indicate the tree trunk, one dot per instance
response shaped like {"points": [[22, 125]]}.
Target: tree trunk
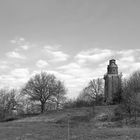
{"points": [[42, 107], [57, 105], [135, 116]]}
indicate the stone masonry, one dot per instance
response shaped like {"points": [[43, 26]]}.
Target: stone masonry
{"points": [[112, 82]]}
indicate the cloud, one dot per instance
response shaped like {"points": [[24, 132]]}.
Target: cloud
{"points": [[54, 54], [15, 54], [52, 48], [66, 78], [3, 65], [17, 40], [59, 56], [20, 73], [86, 65], [127, 61], [93, 55], [78, 77], [20, 42], [74, 69], [70, 66], [15, 79], [72, 82], [24, 47], [41, 64]]}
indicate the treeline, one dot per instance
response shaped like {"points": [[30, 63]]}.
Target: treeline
{"points": [[129, 107], [42, 92], [127, 101], [91, 95], [45, 92]]}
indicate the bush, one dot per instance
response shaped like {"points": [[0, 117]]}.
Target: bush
{"points": [[10, 118], [78, 103], [103, 117], [7, 103], [119, 113]]}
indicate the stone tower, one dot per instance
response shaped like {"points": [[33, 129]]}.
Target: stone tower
{"points": [[112, 83]]}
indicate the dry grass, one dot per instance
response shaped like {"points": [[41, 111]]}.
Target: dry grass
{"points": [[81, 128]]}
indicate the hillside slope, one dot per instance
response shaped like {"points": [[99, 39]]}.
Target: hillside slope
{"points": [[84, 124], [55, 116]]}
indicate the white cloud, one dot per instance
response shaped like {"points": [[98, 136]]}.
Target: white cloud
{"points": [[127, 59], [86, 65], [7, 81], [4, 65], [93, 55], [15, 78], [21, 39], [20, 42], [59, 56], [127, 52], [98, 61], [17, 40], [15, 54], [13, 41], [41, 64], [20, 73], [79, 77], [52, 48], [24, 47], [61, 75], [72, 82], [54, 54], [70, 66], [74, 70]]}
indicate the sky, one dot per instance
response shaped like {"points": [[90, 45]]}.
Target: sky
{"points": [[72, 39]]}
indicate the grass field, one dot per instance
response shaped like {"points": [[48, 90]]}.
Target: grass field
{"points": [[54, 126]]}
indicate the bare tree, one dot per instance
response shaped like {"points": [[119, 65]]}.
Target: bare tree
{"points": [[60, 93], [41, 87], [131, 95], [7, 102], [94, 90]]}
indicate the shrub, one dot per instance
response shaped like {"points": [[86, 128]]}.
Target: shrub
{"points": [[78, 103]]}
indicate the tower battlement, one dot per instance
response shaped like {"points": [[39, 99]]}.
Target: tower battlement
{"points": [[112, 68]]}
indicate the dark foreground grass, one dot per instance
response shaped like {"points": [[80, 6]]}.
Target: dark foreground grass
{"points": [[54, 126], [58, 131]]}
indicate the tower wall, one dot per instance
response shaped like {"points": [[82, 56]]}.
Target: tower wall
{"points": [[112, 82]]}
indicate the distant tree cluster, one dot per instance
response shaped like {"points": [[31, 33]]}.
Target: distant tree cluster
{"points": [[92, 94], [40, 93], [94, 91], [130, 103], [77, 103], [44, 92], [7, 102]]}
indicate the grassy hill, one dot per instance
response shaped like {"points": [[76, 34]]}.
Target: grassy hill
{"points": [[84, 124]]}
